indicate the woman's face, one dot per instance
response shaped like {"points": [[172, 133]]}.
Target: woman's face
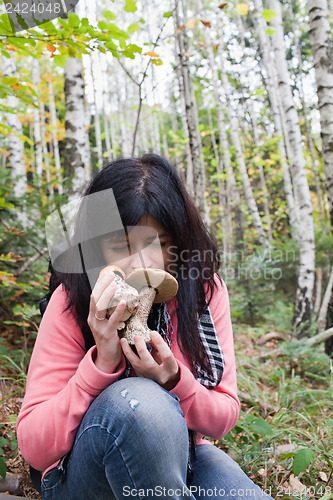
{"points": [[145, 245]]}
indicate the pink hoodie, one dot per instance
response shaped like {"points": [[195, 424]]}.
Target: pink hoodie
{"points": [[63, 380]]}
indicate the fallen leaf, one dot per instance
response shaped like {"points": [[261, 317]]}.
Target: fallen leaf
{"points": [[323, 476]]}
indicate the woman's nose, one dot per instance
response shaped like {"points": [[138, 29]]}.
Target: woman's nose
{"points": [[140, 259]]}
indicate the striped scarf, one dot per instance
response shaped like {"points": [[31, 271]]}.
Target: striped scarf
{"points": [[159, 320]]}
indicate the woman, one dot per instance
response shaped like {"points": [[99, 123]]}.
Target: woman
{"points": [[113, 422]]}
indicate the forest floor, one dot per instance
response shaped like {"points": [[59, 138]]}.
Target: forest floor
{"points": [[286, 407]]}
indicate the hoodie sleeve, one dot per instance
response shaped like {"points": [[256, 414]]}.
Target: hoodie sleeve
{"points": [[212, 412], [61, 384]]}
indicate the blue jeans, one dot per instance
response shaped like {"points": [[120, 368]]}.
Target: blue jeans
{"points": [[133, 442]]}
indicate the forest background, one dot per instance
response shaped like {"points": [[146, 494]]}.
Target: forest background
{"points": [[239, 96]]}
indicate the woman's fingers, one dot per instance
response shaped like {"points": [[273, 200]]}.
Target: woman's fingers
{"points": [[104, 279], [117, 313]]}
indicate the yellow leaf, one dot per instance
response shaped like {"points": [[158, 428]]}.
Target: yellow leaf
{"points": [[151, 54], [242, 9], [191, 23]]}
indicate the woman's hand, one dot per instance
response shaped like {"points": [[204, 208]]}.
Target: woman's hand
{"points": [[109, 352], [160, 365]]}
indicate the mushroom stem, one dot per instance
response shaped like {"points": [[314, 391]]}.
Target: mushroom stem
{"points": [[137, 324]]}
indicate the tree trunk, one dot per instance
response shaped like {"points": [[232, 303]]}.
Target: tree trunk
{"points": [[321, 44], [37, 128], [306, 119], [189, 170], [75, 153], [54, 125], [15, 143], [199, 179], [303, 304]]}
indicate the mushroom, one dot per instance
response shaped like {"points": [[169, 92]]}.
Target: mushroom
{"points": [[124, 291], [154, 286]]}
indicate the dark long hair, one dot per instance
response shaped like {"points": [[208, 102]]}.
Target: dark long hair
{"points": [[151, 185]]}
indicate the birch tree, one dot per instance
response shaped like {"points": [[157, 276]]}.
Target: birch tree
{"points": [[199, 179], [37, 127], [54, 124], [15, 143], [303, 304], [321, 44], [76, 162]]}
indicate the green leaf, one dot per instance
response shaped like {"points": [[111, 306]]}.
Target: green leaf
{"points": [[134, 48], [133, 28], [270, 31], [73, 20], [109, 15], [2, 468], [10, 80], [268, 14], [102, 25], [22, 22], [60, 61], [259, 425], [303, 458], [3, 441], [167, 14], [130, 6]]}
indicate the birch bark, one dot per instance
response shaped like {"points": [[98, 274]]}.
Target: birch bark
{"points": [[199, 174], [54, 124], [305, 115], [303, 304], [37, 128], [321, 44], [75, 153], [15, 143]]}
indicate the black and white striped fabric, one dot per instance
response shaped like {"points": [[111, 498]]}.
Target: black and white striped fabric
{"points": [[160, 320]]}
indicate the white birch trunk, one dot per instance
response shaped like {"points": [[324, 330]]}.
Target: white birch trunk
{"points": [[37, 127], [75, 154], [189, 170], [15, 143], [324, 306], [54, 125], [199, 179], [321, 43], [303, 305], [305, 115]]}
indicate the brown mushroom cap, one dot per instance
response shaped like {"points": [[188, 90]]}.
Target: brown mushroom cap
{"points": [[164, 283]]}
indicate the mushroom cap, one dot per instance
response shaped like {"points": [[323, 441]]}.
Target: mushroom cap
{"points": [[115, 269], [164, 283]]}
